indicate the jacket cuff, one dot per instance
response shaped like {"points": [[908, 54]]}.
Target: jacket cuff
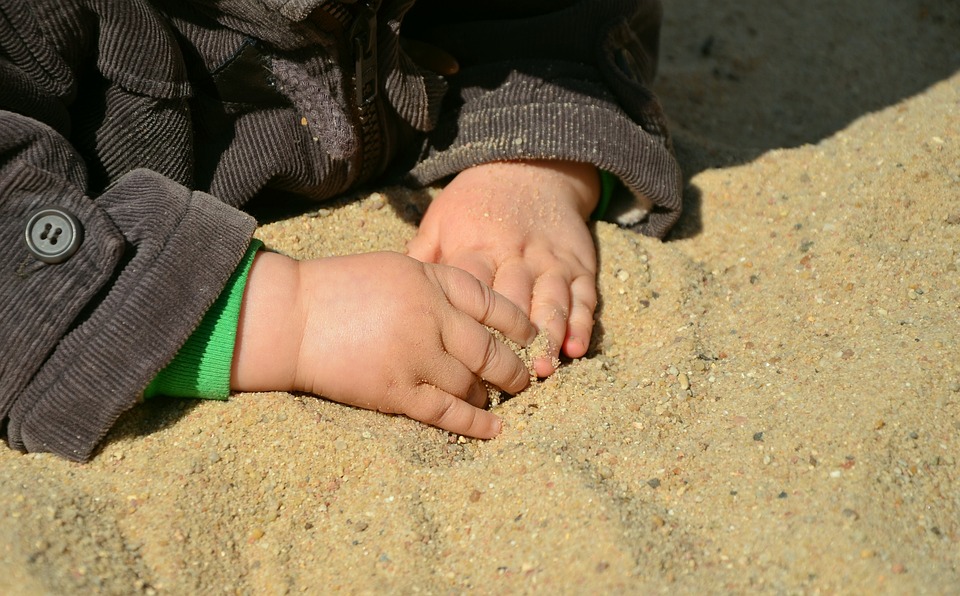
{"points": [[180, 249], [533, 116]]}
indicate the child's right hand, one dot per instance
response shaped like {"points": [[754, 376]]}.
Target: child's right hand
{"points": [[380, 331]]}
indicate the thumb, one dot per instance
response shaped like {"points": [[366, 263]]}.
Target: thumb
{"points": [[424, 249]]}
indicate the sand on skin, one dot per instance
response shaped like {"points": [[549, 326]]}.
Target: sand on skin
{"points": [[772, 401]]}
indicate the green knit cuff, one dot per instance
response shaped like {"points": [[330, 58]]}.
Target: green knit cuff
{"points": [[608, 184], [202, 366]]}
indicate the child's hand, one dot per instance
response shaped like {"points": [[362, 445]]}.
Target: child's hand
{"points": [[521, 228], [380, 331]]}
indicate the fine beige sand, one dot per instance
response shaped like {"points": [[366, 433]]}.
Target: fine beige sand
{"points": [[772, 402]]}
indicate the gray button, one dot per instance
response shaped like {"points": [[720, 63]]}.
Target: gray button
{"points": [[53, 235]]}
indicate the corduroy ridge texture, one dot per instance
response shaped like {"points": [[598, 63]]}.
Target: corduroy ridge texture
{"points": [[155, 121]]}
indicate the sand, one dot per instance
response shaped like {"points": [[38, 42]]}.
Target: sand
{"points": [[771, 404]]}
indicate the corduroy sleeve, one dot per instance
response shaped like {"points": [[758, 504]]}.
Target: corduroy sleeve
{"points": [[84, 334], [567, 80]]}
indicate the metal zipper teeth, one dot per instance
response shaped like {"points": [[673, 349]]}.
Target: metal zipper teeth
{"points": [[368, 112], [371, 140], [339, 12]]}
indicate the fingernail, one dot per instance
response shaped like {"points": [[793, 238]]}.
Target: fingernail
{"points": [[543, 367]]}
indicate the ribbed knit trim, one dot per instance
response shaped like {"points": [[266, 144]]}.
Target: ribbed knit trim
{"points": [[202, 366]]}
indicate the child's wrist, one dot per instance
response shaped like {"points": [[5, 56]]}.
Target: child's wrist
{"points": [[586, 182], [581, 179], [270, 326]]}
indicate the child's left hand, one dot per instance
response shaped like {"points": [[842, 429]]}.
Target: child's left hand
{"points": [[520, 227]]}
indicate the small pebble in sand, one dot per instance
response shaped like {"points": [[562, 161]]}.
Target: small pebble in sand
{"points": [[850, 513]]}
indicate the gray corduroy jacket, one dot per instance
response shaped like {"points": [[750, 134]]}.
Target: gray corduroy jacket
{"points": [[133, 132]]}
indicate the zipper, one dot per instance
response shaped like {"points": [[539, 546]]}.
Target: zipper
{"points": [[359, 19], [363, 40]]}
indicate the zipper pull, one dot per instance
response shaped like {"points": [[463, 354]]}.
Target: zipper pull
{"points": [[363, 37]]}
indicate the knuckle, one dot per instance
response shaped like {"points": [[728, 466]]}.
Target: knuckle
{"points": [[441, 412], [488, 301], [490, 356], [521, 376], [588, 302]]}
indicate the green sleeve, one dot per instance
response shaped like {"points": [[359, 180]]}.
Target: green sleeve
{"points": [[608, 184], [202, 366]]}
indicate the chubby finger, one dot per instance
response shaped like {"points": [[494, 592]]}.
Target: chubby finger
{"points": [[583, 304], [438, 408], [457, 380], [478, 301], [515, 282], [549, 311], [481, 352]]}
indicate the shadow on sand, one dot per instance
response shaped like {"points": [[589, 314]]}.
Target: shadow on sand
{"points": [[740, 79]]}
